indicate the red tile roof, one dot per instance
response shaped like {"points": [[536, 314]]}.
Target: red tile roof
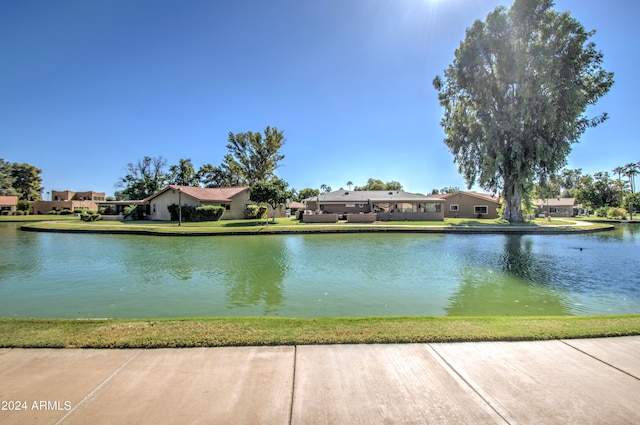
{"points": [[8, 200], [211, 194]]}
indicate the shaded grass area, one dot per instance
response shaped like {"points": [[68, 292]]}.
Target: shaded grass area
{"points": [[220, 332]]}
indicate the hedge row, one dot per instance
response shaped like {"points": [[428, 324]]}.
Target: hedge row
{"points": [[191, 213]]}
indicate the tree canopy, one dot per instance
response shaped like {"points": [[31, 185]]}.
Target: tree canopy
{"points": [[273, 192], [143, 178], [515, 97], [376, 184], [20, 179], [183, 174], [251, 158]]}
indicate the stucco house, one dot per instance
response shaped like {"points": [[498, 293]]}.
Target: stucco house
{"points": [[234, 199], [470, 205], [8, 205], [68, 200], [556, 207], [373, 205]]}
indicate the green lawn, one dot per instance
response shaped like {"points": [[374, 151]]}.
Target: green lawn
{"points": [[216, 332], [291, 224]]}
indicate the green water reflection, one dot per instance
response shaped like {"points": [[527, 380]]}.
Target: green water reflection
{"points": [[64, 275]]}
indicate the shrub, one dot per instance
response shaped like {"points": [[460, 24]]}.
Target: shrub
{"points": [[617, 213], [22, 205], [90, 216], [255, 212], [52, 212], [66, 211], [209, 213], [191, 213], [602, 212], [78, 210]]}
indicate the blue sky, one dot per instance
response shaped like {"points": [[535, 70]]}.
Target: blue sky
{"points": [[89, 86]]}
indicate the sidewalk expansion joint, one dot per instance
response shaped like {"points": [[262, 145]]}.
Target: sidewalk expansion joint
{"points": [[293, 383], [468, 384], [99, 387], [600, 360]]}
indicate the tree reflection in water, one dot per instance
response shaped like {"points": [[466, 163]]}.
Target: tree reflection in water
{"points": [[509, 284]]}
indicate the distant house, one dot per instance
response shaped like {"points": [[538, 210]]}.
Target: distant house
{"points": [[556, 207], [68, 200], [380, 205], [470, 205], [8, 205], [234, 199]]}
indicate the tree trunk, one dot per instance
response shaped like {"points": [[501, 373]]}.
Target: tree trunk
{"points": [[513, 206]]}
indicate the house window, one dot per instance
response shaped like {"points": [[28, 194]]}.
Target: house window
{"points": [[553, 210], [480, 209], [227, 207], [154, 208], [453, 207]]}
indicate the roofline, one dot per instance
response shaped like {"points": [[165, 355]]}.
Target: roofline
{"points": [[485, 197], [178, 187]]}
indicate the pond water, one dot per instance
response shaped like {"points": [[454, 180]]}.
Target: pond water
{"points": [[85, 275]]}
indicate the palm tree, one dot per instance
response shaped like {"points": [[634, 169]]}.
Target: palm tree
{"points": [[619, 171], [324, 188], [630, 170], [349, 183]]}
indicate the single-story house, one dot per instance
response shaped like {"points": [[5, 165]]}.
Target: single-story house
{"points": [[234, 199], [556, 207], [470, 205], [372, 205], [8, 205]]}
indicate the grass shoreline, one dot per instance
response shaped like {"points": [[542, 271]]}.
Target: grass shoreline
{"points": [[259, 331], [291, 226]]}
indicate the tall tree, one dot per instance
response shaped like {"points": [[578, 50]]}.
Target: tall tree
{"points": [[631, 170], [6, 179], [143, 178], [377, 184], [273, 192], [325, 188], [26, 181], [307, 193], [183, 174], [515, 97], [251, 158], [598, 191]]}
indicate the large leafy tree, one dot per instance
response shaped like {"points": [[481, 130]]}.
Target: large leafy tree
{"points": [[183, 174], [252, 157], [377, 184], [6, 179], [143, 178], [307, 192], [515, 97], [26, 181], [273, 192]]}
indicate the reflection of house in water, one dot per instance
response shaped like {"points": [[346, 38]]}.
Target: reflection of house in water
{"points": [[372, 205]]}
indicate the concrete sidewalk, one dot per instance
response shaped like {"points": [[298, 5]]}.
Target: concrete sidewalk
{"points": [[591, 381]]}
